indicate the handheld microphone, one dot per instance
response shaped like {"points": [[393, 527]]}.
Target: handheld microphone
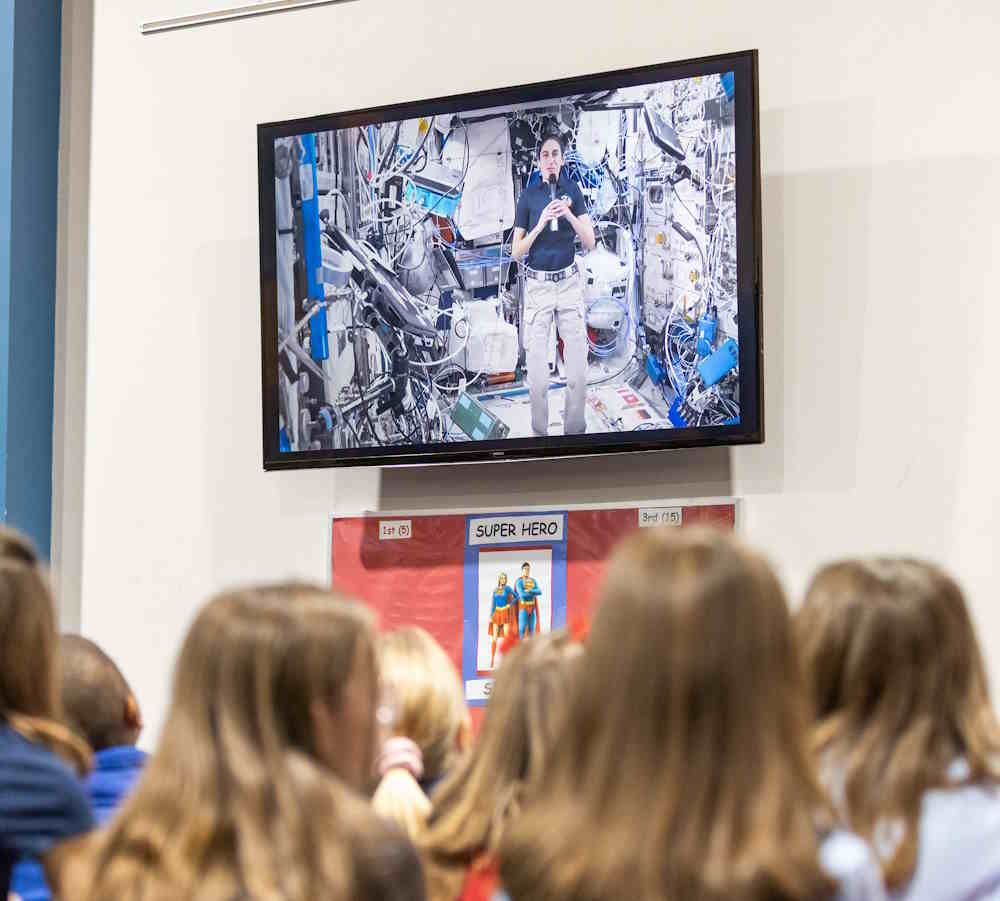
{"points": [[553, 223]]}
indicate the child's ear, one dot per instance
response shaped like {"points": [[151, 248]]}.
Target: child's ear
{"points": [[133, 716]]}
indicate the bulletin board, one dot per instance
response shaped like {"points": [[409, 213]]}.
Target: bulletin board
{"points": [[439, 571]]}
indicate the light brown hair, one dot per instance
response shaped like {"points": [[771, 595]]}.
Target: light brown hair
{"points": [[901, 694], [525, 714], [426, 692], [29, 698], [234, 802], [683, 770]]}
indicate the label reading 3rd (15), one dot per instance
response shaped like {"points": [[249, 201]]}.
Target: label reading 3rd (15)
{"points": [[393, 529], [660, 516]]}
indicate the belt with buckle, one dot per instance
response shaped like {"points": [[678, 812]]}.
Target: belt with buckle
{"points": [[556, 276]]}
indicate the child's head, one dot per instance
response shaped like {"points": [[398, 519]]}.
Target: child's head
{"points": [[27, 632], [900, 692], [97, 701], [29, 700], [685, 741], [426, 695], [525, 714], [273, 694]]}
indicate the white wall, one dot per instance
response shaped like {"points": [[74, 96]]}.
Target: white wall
{"points": [[881, 186]]}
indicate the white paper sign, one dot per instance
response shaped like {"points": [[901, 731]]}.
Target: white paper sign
{"points": [[660, 516], [394, 529], [478, 689], [516, 529]]}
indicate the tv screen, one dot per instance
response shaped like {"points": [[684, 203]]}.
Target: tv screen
{"points": [[562, 268]]}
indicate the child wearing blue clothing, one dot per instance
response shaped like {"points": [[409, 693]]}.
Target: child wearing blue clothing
{"points": [[43, 809], [100, 707]]}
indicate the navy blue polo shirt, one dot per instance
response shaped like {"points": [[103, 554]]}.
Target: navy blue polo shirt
{"points": [[41, 802], [552, 250]]}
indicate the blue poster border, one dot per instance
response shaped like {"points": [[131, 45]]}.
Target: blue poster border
{"points": [[477, 687]]}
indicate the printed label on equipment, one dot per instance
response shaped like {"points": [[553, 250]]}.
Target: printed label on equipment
{"points": [[306, 181], [659, 516], [516, 529], [478, 689], [392, 529]]}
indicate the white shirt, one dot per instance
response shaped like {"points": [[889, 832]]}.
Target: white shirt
{"points": [[850, 861], [958, 854]]}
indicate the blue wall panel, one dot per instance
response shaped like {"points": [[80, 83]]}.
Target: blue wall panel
{"points": [[29, 124]]}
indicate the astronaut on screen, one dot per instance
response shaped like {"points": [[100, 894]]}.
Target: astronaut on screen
{"points": [[550, 216]]}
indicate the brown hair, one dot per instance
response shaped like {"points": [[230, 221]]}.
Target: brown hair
{"points": [[524, 716], [900, 692], [29, 700], [94, 694], [683, 770], [233, 801]]}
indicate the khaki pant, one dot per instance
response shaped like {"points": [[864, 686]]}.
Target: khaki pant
{"points": [[561, 301]]}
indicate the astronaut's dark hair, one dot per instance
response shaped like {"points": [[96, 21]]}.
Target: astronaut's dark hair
{"points": [[551, 136], [523, 565]]}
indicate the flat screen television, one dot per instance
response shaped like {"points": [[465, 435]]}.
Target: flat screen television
{"points": [[569, 267]]}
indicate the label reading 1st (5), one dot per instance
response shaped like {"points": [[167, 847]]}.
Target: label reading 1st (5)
{"points": [[394, 529]]}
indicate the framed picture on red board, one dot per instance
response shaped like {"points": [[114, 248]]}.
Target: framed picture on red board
{"points": [[474, 578]]}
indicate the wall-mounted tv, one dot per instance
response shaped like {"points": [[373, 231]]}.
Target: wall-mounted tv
{"points": [[570, 267]]}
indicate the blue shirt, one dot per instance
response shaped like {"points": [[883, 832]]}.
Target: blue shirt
{"points": [[41, 802], [552, 250], [116, 771], [112, 779]]}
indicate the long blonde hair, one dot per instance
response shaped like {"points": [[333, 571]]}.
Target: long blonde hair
{"points": [[901, 694], [525, 714], [29, 693], [683, 770], [425, 693], [233, 802]]}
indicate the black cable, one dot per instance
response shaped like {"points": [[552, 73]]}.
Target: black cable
{"points": [[420, 147], [390, 150]]}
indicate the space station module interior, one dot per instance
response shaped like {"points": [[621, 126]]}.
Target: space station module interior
{"points": [[401, 310]]}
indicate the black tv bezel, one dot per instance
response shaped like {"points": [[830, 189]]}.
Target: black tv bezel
{"points": [[750, 430]]}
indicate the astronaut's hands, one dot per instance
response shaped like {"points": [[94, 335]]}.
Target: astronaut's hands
{"points": [[555, 210], [563, 208]]}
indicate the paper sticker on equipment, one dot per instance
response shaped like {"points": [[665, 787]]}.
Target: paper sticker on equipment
{"points": [[515, 598]]}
